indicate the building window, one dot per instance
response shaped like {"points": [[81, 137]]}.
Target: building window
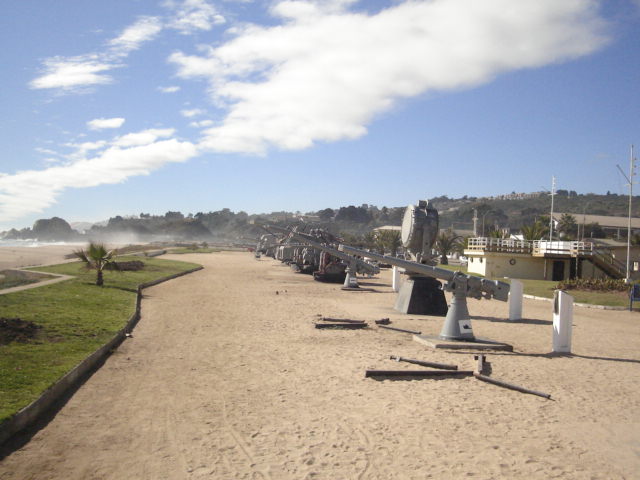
{"points": [[480, 259]]}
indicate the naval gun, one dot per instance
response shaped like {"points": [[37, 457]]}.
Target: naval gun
{"points": [[354, 265], [420, 294], [457, 324], [266, 245], [275, 245], [419, 231]]}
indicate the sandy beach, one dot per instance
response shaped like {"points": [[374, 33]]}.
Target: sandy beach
{"points": [[227, 378], [19, 257]]}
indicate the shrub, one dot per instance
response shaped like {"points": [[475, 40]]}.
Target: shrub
{"points": [[594, 284], [132, 266]]}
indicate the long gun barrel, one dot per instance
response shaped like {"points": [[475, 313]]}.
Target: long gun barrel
{"points": [[361, 264], [477, 287]]}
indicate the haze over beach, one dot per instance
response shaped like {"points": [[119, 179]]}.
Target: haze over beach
{"points": [[116, 108]]}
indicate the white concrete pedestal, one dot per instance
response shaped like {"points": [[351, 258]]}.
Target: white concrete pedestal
{"points": [[515, 300], [562, 321], [396, 278]]}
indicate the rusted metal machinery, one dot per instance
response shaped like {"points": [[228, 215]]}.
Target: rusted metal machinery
{"points": [[337, 264], [316, 252], [267, 244]]}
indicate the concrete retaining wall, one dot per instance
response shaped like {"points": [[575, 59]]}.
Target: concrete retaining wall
{"points": [[73, 379]]}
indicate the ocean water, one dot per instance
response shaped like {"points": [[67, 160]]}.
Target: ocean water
{"points": [[34, 243]]}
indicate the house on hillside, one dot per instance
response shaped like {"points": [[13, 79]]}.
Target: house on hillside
{"points": [[544, 260]]}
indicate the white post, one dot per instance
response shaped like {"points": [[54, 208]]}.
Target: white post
{"points": [[395, 275], [515, 300], [562, 321]]}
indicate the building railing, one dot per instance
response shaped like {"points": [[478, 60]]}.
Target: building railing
{"points": [[545, 247], [499, 245], [535, 247]]}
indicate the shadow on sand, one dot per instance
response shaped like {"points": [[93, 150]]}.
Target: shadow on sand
{"points": [[553, 355], [523, 321]]}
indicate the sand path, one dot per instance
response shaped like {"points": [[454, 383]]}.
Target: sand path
{"points": [[226, 379]]}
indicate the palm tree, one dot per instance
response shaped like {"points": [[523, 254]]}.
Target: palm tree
{"points": [[96, 257], [446, 242], [388, 241], [535, 231], [567, 225]]}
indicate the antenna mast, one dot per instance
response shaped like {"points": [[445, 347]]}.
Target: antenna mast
{"points": [[553, 193], [630, 180], [631, 174]]}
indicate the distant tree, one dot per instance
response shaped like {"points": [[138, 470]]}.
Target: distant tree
{"points": [[534, 231], [115, 221], [173, 216], [326, 214], [463, 244], [353, 214], [567, 226], [593, 230], [369, 240], [446, 243], [96, 257], [352, 240]]}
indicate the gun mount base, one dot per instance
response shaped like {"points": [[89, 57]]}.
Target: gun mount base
{"points": [[421, 296], [433, 341], [457, 325]]}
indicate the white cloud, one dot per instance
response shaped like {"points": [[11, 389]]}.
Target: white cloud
{"points": [[72, 72], [201, 124], [102, 123], [145, 29], [193, 112], [144, 137], [171, 89], [193, 15], [45, 151], [32, 191], [326, 72]]}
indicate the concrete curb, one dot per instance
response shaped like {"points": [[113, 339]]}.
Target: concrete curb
{"points": [[30, 414], [584, 305]]}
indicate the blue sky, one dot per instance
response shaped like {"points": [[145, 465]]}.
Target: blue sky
{"points": [[121, 107]]}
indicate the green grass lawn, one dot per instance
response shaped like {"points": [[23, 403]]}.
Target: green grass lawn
{"points": [[17, 278], [545, 288], [76, 318]]}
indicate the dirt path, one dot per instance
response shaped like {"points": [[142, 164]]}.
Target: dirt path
{"points": [[226, 379]]}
